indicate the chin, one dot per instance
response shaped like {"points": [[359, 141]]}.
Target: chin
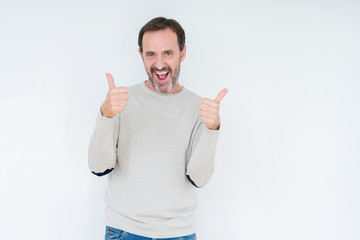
{"points": [[165, 90]]}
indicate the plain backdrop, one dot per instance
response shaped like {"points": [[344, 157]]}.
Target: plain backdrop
{"points": [[287, 162]]}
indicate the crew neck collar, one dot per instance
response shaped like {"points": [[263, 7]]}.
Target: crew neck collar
{"points": [[147, 89]]}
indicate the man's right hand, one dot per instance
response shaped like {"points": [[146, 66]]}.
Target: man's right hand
{"points": [[116, 99]]}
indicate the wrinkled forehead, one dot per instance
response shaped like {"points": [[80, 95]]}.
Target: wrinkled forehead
{"points": [[160, 40]]}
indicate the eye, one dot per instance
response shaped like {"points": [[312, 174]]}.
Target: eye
{"points": [[150, 54], [168, 53]]}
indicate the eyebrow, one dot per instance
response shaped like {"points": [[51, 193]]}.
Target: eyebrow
{"points": [[170, 51], [148, 52]]}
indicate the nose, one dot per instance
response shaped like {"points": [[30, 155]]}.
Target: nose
{"points": [[159, 63]]}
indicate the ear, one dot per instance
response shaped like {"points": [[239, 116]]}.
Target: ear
{"points": [[141, 55], [183, 54]]}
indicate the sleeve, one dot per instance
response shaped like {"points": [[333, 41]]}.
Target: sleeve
{"points": [[201, 160], [103, 145]]}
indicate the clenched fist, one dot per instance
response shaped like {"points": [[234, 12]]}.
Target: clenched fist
{"points": [[116, 99], [209, 111]]}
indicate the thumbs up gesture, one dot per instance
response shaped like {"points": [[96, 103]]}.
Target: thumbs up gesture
{"points": [[116, 99], [209, 111]]}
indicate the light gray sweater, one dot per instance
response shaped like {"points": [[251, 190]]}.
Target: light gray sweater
{"points": [[157, 151]]}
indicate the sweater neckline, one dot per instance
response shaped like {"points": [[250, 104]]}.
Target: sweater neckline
{"points": [[147, 89]]}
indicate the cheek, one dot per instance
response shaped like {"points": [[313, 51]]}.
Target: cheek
{"points": [[148, 63], [173, 65], [147, 66]]}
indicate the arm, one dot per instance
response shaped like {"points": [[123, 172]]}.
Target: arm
{"points": [[201, 160], [103, 145], [104, 141]]}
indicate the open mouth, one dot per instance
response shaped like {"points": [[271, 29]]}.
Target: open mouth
{"points": [[161, 76]]}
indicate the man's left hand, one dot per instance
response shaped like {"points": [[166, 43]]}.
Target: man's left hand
{"points": [[209, 111]]}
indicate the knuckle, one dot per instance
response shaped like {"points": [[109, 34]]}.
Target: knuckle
{"points": [[124, 95], [123, 89]]}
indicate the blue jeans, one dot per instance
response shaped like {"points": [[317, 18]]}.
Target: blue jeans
{"points": [[114, 233]]}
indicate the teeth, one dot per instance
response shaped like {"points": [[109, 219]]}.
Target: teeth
{"points": [[161, 73]]}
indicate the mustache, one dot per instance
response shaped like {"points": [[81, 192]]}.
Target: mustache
{"points": [[155, 69]]}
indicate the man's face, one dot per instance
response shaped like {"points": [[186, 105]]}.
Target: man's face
{"points": [[162, 57]]}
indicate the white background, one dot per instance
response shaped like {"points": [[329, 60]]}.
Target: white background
{"points": [[288, 156]]}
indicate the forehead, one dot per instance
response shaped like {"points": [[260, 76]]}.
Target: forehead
{"points": [[160, 40]]}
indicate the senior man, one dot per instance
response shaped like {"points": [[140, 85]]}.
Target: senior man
{"points": [[156, 143]]}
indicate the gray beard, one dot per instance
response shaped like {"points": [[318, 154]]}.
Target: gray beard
{"points": [[173, 81], [168, 89]]}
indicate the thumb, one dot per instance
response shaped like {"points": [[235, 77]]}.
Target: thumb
{"points": [[110, 80], [221, 95]]}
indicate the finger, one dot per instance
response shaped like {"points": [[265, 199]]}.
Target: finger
{"points": [[207, 114], [122, 103], [122, 89], [123, 95], [221, 95], [207, 120], [117, 98], [207, 108], [118, 90], [118, 108], [211, 103], [110, 80]]}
